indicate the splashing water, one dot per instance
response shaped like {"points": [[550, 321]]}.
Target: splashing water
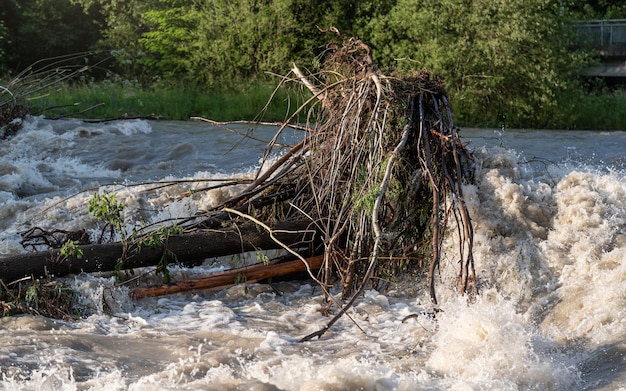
{"points": [[549, 213]]}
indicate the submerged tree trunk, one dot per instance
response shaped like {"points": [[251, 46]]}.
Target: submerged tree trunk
{"points": [[248, 274], [191, 248]]}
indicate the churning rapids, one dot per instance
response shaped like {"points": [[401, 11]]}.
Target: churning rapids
{"points": [[549, 213]]}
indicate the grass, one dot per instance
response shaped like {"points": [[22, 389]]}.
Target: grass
{"points": [[599, 109], [602, 110], [104, 100]]}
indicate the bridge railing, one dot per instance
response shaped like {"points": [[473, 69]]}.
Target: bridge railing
{"points": [[603, 32]]}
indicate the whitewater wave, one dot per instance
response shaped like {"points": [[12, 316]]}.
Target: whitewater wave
{"points": [[550, 253]]}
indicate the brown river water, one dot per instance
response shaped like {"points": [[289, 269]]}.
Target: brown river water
{"points": [[549, 213]]}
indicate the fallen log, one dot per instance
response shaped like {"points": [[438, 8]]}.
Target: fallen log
{"points": [[225, 279], [379, 175], [189, 249]]}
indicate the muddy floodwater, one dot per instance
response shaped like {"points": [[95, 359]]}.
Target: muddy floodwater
{"points": [[549, 213]]}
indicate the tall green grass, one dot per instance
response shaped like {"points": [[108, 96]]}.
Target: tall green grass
{"points": [[106, 99], [605, 110], [599, 111]]}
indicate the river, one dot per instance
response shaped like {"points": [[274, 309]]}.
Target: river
{"points": [[549, 213]]}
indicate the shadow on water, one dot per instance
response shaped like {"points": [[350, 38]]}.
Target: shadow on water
{"points": [[604, 367]]}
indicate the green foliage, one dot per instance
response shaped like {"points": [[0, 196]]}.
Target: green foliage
{"points": [[366, 202], [122, 25], [36, 29], [503, 63], [219, 41], [236, 261], [106, 207], [177, 101], [38, 297], [595, 111], [71, 249], [262, 257], [171, 37], [5, 42], [240, 279], [498, 59], [167, 258], [159, 237], [599, 9], [239, 39], [32, 295]]}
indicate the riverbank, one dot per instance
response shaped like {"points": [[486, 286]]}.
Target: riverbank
{"points": [[600, 110], [108, 99], [247, 101]]}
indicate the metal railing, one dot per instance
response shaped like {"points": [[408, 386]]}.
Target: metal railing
{"points": [[603, 32]]}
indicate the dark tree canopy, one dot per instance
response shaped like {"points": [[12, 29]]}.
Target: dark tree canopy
{"points": [[500, 60], [31, 30]]}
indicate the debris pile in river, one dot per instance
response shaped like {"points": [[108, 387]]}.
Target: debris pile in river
{"points": [[379, 175], [38, 297], [371, 188], [33, 82]]}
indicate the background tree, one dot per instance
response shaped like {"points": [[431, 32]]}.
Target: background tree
{"points": [[240, 39], [9, 16], [221, 41], [171, 38], [499, 59], [39, 29], [5, 42], [596, 9], [502, 61], [122, 23]]}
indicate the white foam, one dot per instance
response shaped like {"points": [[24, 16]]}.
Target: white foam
{"points": [[490, 345], [550, 246], [38, 160], [587, 250], [53, 379], [131, 127]]}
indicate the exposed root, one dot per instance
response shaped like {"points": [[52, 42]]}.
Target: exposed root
{"points": [[377, 175]]}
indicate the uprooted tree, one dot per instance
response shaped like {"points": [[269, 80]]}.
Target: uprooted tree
{"points": [[377, 178]]}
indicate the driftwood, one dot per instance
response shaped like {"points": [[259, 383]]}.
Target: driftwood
{"points": [[16, 95], [383, 175], [378, 175], [191, 248], [225, 279]]}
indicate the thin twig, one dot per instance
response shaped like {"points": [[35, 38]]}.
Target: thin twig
{"points": [[377, 232]]}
